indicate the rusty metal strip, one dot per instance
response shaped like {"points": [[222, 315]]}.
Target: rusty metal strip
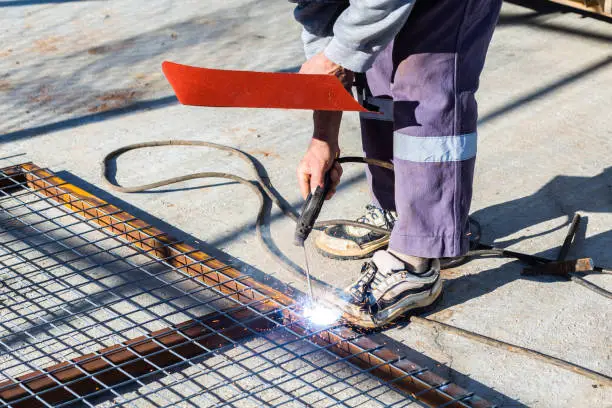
{"points": [[110, 365], [246, 89], [422, 384]]}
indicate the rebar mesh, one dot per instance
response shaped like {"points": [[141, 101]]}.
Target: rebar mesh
{"points": [[129, 326]]}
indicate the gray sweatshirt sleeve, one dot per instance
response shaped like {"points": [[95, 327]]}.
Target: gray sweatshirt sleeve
{"points": [[318, 20], [364, 29], [351, 36]]}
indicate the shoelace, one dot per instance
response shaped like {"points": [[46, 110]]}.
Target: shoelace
{"points": [[369, 270], [362, 287], [370, 215], [389, 219], [378, 217]]}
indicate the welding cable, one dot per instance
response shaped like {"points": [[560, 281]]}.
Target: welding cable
{"points": [[588, 285], [264, 190], [258, 182], [260, 186]]}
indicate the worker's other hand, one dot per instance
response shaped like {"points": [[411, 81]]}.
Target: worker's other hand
{"points": [[319, 158], [321, 65]]}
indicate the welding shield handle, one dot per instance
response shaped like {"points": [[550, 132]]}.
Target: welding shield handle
{"points": [[310, 211]]}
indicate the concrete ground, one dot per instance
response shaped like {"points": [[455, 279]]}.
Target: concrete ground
{"points": [[79, 79]]}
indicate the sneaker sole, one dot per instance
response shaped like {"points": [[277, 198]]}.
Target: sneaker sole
{"points": [[386, 316], [408, 304], [360, 253], [381, 243]]}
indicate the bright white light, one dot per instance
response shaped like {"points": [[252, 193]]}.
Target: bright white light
{"points": [[321, 315]]}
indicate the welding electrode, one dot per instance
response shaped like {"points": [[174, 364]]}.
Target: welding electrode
{"points": [[308, 216]]}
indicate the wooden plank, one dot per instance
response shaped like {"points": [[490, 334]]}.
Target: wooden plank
{"points": [[602, 7]]}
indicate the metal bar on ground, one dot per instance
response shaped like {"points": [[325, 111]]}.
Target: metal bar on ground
{"points": [[569, 238], [594, 375], [570, 269]]}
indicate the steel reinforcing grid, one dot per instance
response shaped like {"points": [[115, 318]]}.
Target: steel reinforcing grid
{"points": [[99, 308]]}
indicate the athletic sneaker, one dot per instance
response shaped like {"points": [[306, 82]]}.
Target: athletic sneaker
{"points": [[348, 242], [388, 288]]}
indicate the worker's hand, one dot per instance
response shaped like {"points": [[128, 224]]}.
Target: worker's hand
{"points": [[319, 158], [323, 149], [320, 64]]}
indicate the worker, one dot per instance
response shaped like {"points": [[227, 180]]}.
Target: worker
{"points": [[426, 57]]}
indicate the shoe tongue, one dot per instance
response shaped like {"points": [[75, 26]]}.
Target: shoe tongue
{"points": [[386, 263]]}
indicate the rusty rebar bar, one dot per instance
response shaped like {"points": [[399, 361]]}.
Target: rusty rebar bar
{"points": [[513, 348]]}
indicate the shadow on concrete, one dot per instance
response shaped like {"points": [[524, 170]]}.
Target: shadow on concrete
{"points": [[132, 61], [236, 232], [15, 3], [12, 156], [464, 380], [405, 351], [171, 100], [545, 90], [85, 119], [563, 196], [207, 247], [196, 29]]}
